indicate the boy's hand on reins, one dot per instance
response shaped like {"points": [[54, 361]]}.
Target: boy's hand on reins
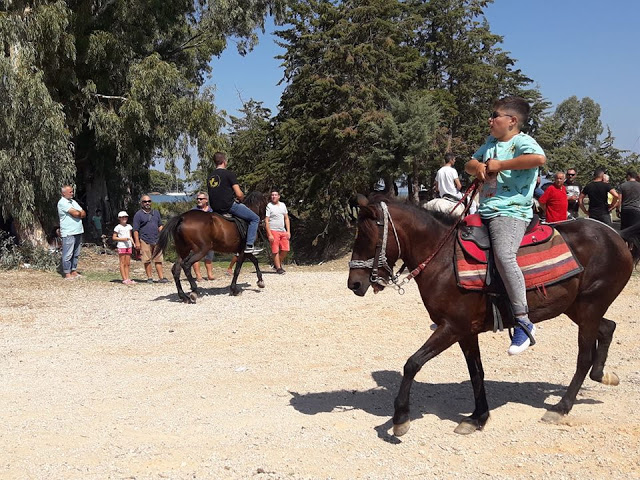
{"points": [[481, 169]]}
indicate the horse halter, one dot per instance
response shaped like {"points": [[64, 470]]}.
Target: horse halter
{"points": [[379, 259]]}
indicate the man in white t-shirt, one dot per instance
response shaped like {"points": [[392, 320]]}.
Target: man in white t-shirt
{"points": [[276, 222], [447, 181]]}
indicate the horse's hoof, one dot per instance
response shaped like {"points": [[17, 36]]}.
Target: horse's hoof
{"points": [[193, 296], [261, 283], [235, 293], [401, 428], [610, 378], [468, 426], [552, 417]]}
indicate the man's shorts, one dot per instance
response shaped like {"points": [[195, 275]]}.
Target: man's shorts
{"points": [[209, 256], [280, 242], [146, 250], [124, 251]]}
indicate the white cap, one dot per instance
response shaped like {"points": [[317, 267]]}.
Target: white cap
{"points": [[123, 214]]}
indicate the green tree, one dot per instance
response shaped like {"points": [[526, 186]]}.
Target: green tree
{"points": [[163, 182], [251, 148], [465, 67], [344, 62], [36, 156], [129, 76]]}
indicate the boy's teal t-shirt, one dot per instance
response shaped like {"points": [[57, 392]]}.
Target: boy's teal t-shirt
{"points": [[511, 193]]}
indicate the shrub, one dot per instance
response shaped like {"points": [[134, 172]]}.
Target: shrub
{"points": [[13, 255]]}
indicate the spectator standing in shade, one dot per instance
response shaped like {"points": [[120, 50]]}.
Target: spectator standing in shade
{"points": [[447, 180], [276, 223], [202, 204], [97, 223], [629, 207], [554, 200], [122, 235], [147, 226], [70, 215], [597, 191], [573, 192]]}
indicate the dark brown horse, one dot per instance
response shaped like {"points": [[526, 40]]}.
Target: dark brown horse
{"points": [[196, 232], [413, 234]]}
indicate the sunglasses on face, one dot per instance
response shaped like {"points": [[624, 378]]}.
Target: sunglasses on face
{"points": [[495, 115], [146, 201], [571, 174], [200, 199]]}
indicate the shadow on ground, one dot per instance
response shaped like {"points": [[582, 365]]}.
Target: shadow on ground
{"points": [[448, 401]]}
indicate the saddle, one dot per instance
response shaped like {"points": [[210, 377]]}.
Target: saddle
{"points": [[473, 236], [241, 225]]}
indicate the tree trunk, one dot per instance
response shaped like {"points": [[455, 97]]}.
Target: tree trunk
{"points": [[32, 233]]}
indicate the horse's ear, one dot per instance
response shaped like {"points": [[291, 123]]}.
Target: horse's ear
{"points": [[362, 200]]}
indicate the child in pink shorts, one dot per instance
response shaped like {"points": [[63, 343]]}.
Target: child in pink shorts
{"points": [[122, 234]]}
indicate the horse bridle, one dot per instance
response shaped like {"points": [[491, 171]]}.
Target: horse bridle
{"points": [[380, 255], [379, 259]]}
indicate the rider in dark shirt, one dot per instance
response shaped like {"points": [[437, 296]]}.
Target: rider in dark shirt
{"points": [[223, 190]]}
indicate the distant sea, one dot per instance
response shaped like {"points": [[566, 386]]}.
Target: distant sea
{"points": [[160, 198]]}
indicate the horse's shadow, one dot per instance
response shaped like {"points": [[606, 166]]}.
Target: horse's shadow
{"points": [[207, 292], [445, 400]]}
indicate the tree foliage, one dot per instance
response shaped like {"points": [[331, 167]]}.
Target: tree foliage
{"points": [[121, 82], [572, 138]]}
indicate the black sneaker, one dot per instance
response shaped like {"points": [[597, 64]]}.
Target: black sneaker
{"points": [[280, 271], [149, 280], [163, 280]]}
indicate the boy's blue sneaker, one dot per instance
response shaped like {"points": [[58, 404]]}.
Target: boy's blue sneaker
{"points": [[520, 341]]}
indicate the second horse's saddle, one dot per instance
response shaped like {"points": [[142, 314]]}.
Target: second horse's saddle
{"points": [[474, 238]]}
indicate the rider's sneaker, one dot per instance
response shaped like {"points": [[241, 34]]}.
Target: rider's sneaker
{"points": [[520, 341], [251, 249]]}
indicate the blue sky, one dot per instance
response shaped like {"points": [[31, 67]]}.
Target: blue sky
{"points": [[586, 48]]}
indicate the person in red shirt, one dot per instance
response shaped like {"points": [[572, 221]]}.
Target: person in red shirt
{"points": [[554, 201]]}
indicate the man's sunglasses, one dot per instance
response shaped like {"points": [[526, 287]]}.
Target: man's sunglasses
{"points": [[200, 199], [571, 174], [146, 201]]}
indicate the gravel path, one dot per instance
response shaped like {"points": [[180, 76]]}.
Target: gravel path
{"points": [[295, 381]]}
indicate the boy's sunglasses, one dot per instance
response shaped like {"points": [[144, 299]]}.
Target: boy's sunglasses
{"points": [[495, 115]]}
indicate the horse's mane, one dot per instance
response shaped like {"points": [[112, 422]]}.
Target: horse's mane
{"points": [[253, 199], [417, 212]]}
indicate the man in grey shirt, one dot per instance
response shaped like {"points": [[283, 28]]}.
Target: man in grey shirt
{"points": [[629, 207]]}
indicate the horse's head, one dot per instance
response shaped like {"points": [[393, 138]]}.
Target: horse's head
{"points": [[257, 202], [374, 253]]}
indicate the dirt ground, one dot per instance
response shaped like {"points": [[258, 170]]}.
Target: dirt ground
{"points": [[295, 381]]}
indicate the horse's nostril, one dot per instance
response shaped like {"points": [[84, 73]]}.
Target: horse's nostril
{"points": [[354, 286]]}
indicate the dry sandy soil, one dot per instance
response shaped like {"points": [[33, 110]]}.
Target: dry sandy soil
{"points": [[295, 381]]}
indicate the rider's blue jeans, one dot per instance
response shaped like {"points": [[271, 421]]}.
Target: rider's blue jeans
{"points": [[241, 211], [506, 235]]}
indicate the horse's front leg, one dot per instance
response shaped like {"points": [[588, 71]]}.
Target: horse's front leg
{"points": [[437, 343], [254, 260], [478, 419]]}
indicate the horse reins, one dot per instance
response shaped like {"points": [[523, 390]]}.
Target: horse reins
{"points": [[380, 257]]}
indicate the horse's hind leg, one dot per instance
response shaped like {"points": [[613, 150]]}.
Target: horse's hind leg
{"points": [[187, 263], [587, 334], [439, 341], [254, 260], [175, 270], [600, 352], [480, 415], [233, 289]]}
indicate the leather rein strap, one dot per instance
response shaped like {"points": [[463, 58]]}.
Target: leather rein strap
{"points": [[471, 191]]}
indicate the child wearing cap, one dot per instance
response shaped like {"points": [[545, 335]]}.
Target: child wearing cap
{"points": [[122, 235]]}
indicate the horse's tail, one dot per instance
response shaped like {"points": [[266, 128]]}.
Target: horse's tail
{"points": [[631, 235], [170, 230]]}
